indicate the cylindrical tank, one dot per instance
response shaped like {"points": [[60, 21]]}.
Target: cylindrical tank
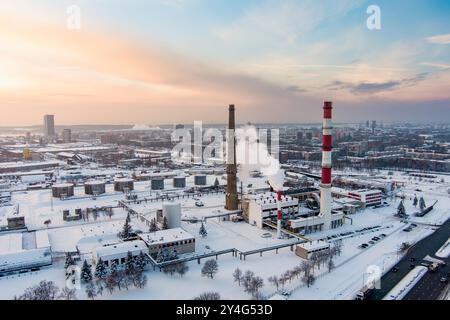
{"points": [[172, 212], [94, 187], [200, 180], [157, 184], [179, 182], [123, 184], [62, 190]]}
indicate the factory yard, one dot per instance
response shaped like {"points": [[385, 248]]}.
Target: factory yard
{"points": [[347, 277]]}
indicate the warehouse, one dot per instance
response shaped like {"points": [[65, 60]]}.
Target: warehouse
{"points": [[175, 239], [117, 253]]}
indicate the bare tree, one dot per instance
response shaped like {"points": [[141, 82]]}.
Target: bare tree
{"points": [[91, 291], [45, 290], [210, 268], [330, 265], [208, 296], [274, 281], [255, 284], [68, 294], [237, 276]]}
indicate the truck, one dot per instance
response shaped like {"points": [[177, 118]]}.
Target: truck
{"points": [[365, 292]]}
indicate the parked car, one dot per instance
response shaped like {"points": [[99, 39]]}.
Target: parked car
{"points": [[266, 235], [199, 204]]}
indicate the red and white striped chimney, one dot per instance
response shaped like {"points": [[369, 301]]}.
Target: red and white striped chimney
{"points": [[279, 215], [325, 187]]}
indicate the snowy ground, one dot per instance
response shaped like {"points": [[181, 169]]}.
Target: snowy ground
{"points": [[342, 283]]}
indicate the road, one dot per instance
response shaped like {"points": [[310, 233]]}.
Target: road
{"points": [[429, 287]]}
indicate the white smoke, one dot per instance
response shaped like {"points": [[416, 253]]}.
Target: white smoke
{"points": [[252, 155], [140, 127]]}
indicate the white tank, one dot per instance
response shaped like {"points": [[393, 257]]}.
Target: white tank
{"points": [[172, 211]]}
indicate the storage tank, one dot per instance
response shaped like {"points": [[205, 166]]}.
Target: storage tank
{"points": [[94, 187], [62, 190], [172, 212], [200, 180], [157, 184], [123, 184], [179, 182]]}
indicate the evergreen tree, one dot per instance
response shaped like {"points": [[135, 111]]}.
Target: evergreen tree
{"points": [[125, 233], [415, 201], [165, 225], [86, 272], [422, 204], [401, 211], [100, 270], [203, 231], [216, 183], [69, 260], [153, 226], [130, 264], [141, 261]]}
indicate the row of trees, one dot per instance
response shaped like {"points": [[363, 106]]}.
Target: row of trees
{"points": [[252, 284], [47, 290]]}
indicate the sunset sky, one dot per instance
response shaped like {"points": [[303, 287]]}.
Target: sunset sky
{"points": [[170, 61]]}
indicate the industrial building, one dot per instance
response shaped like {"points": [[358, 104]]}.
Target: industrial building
{"points": [[123, 185], [62, 190], [305, 250], [179, 182], [200, 180], [175, 239], [24, 251], [265, 206], [367, 197], [157, 184], [94, 187], [117, 253]]}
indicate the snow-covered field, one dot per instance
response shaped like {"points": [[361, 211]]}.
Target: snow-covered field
{"points": [[341, 283]]}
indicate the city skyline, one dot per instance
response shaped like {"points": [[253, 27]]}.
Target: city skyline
{"points": [[185, 60]]}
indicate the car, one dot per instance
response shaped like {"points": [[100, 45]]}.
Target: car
{"points": [[372, 242], [266, 235], [394, 269], [286, 293], [382, 235], [208, 247], [199, 204], [375, 238], [407, 230], [413, 225], [443, 280]]}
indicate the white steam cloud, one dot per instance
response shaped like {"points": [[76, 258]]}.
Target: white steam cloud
{"points": [[252, 155]]}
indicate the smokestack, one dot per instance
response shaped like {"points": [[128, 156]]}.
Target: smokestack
{"points": [[279, 216], [231, 199], [325, 186]]}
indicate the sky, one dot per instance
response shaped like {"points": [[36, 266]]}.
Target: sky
{"points": [[177, 61]]}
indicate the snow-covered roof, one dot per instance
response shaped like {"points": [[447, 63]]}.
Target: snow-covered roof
{"points": [[119, 249], [42, 240], [62, 185], [315, 245], [164, 236], [10, 242]]}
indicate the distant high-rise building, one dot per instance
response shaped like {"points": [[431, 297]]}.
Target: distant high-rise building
{"points": [[49, 126], [179, 126], [374, 125], [67, 135]]}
